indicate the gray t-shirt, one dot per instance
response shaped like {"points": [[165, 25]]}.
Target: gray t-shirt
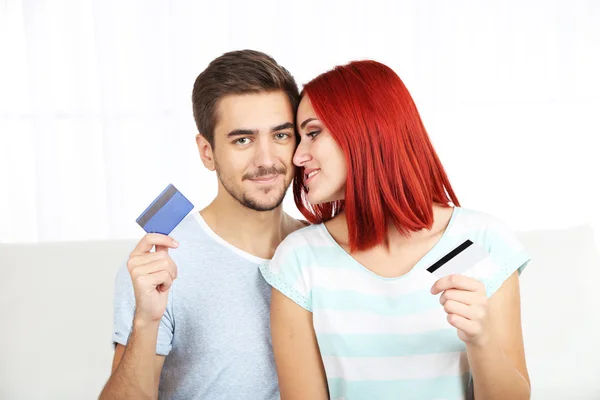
{"points": [[215, 330]]}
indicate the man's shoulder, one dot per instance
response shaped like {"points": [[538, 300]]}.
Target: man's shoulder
{"points": [[296, 227], [303, 222], [305, 235], [299, 224], [189, 226], [194, 242]]}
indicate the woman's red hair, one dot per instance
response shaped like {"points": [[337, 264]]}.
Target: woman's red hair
{"points": [[394, 173]]}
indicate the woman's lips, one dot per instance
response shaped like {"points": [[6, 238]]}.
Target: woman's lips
{"points": [[310, 176]]}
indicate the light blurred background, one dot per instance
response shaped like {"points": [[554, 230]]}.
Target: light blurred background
{"points": [[95, 109], [96, 120]]}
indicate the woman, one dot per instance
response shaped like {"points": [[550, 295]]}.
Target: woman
{"points": [[355, 313]]}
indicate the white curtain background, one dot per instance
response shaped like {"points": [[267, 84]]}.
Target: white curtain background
{"points": [[95, 109]]}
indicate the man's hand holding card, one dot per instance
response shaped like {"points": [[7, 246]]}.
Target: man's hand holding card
{"points": [[153, 273]]}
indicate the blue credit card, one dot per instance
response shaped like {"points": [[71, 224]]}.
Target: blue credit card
{"points": [[165, 212]]}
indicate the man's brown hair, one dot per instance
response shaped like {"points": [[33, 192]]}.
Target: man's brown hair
{"points": [[237, 72]]}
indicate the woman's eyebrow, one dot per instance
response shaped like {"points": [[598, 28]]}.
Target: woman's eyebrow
{"points": [[302, 125]]}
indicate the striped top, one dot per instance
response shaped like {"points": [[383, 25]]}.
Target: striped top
{"points": [[388, 338]]}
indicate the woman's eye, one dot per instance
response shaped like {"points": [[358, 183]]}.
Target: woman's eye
{"points": [[313, 134]]}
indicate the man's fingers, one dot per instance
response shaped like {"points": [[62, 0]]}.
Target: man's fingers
{"points": [[152, 268], [145, 258], [160, 248], [149, 263], [162, 280], [154, 239]]}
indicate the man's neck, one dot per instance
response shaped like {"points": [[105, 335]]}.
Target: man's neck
{"points": [[255, 232]]}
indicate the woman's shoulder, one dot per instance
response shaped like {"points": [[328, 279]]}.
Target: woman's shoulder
{"points": [[478, 221], [491, 232], [506, 252]]}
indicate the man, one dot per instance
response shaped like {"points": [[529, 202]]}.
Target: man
{"points": [[192, 317]]}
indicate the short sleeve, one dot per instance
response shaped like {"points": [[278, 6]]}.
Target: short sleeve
{"points": [[285, 273], [507, 255], [124, 309]]}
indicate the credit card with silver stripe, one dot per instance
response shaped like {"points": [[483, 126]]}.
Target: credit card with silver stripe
{"points": [[165, 212]]}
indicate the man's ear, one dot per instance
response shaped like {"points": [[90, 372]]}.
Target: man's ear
{"points": [[206, 152]]}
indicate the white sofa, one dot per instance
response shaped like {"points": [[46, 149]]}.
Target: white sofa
{"points": [[56, 316]]}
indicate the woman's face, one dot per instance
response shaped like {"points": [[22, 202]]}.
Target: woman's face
{"points": [[320, 157]]}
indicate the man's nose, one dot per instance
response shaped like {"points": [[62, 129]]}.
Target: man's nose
{"points": [[265, 154]]}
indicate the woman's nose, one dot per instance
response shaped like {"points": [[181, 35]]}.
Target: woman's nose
{"points": [[302, 155]]}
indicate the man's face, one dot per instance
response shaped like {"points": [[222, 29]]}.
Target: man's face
{"points": [[254, 143]]}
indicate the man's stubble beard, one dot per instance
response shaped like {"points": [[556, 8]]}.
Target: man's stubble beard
{"points": [[246, 200]]}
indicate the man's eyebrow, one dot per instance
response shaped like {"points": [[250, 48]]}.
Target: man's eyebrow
{"points": [[287, 125], [241, 132], [302, 125], [252, 132]]}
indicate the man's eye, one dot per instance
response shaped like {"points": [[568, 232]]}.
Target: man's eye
{"points": [[242, 141], [282, 136]]}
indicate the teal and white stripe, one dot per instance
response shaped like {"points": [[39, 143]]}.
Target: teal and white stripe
{"points": [[388, 338]]}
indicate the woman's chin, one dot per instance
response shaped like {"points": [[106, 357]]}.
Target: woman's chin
{"points": [[316, 198]]}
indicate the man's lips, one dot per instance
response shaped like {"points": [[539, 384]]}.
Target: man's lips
{"points": [[265, 179]]}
